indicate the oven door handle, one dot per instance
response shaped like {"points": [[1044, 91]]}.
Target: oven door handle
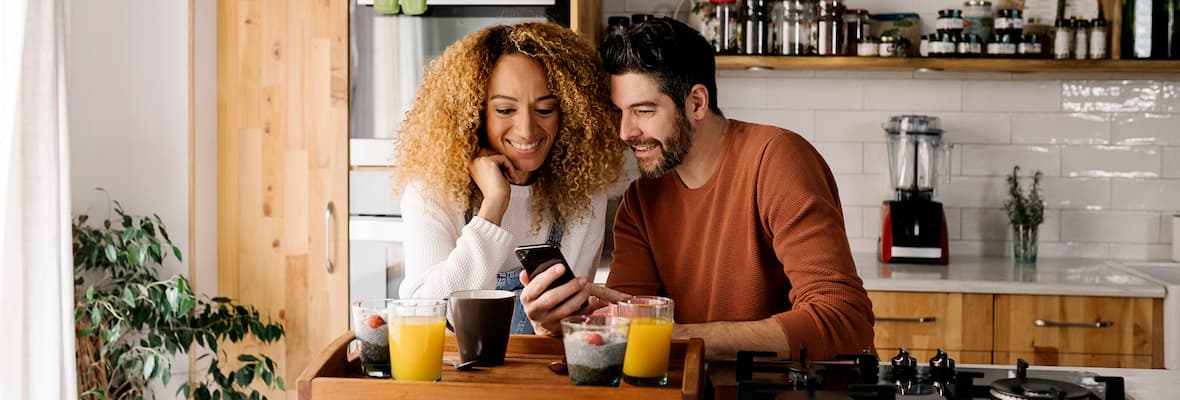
{"points": [[1055, 324], [919, 320]]}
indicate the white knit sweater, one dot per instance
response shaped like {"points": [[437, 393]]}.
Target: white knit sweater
{"points": [[444, 255]]}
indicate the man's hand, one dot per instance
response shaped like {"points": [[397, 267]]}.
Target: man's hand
{"points": [[724, 339], [546, 308]]}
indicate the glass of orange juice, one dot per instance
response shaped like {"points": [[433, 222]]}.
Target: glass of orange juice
{"points": [[649, 340], [416, 331]]}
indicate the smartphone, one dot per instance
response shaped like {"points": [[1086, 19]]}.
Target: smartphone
{"points": [[537, 258]]}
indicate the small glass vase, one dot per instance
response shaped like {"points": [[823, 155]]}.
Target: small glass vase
{"points": [[1024, 243]]}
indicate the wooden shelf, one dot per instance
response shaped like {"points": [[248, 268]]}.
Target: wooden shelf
{"points": [[943, 64], [372, 168]]}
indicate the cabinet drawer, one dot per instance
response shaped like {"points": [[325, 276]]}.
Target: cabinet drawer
{"points": [[1048, 325], [923, 355], [1076, 360], [951, 321]]}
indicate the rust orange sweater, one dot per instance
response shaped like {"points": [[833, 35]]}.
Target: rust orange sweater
{"points": [[763, 237]]}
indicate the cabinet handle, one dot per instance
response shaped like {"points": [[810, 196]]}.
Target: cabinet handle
{"points": [[920, 320], [1095, 324], [328, 211]]}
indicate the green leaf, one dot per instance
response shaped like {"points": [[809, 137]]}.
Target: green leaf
{"points": [[279, 381], [247, 358], [111, 254], [128, 296], [244, 376], [149, 366], [176, 252], [90, 293]]}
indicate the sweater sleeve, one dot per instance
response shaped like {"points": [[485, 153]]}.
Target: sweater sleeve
{"points": [[443, 255], [632, 269], [583, 245], [830, 310]]}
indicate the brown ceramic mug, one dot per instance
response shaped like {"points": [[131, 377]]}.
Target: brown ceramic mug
{"points": [[481, 320]]}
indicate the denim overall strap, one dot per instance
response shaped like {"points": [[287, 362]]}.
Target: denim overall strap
{"points": [[510, 281]]}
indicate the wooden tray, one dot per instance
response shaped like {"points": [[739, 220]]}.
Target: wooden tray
{"points": [[525, 375]]}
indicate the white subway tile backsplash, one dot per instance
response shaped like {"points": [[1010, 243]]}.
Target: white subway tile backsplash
{"points": [[1146, 194], [1072, 128], [963, 128], [852, 221], [842, 157], [1166, 226], [991, 224], [653, 6], [871, 221], [1171, 162], [1075, 193], [1170, 96], [1012, 96], [1123, 251], [1146, 129], [1110, 226], [863, 190], [876, 157], [998, 160], [801, 122], [741, 93], [908, 95], [954, 222], [613, 7], [887, 6], [815, 94], [973, 192], [863, 245], [1110, 161], [851, 126], [1110, 96]]}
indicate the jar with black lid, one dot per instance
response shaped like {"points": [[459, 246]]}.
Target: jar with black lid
{"points": [[756, 30], [1030, 46], [1002, 45], [970, 45], [887, 46], [729, 23], [949, 20], [856, 28], [924, 47], [1081, 39], [944, 44], [1062, 39]]}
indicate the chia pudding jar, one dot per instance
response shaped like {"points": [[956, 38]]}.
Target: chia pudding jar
{"points": [[594, 348], [370, 325]]}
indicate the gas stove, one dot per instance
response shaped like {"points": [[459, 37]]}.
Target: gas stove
{"points": [[759, 375]]}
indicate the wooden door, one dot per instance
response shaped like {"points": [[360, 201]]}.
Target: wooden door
{"points": [[282, 105], [1079, 330]]}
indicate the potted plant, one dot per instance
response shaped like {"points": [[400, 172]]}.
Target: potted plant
{"points": [[1026, 212], [129, 321]]}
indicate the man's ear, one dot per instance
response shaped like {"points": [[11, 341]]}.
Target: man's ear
{"points": [[697, 103]]}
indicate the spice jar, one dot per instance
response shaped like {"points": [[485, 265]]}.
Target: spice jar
{"points": [[978, 18], [950, 20], [1001, 44], [856, 28], [829, 23], [1030, 46], [794, 24], [728, 33], [970, 45], [944, 44], [1081, 39], [887, 46], [1062, 39], [924, 46], [757, 27], [1098, 37], [868, 47]]}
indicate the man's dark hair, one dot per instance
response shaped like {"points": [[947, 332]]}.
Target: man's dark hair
{"points": [[676, 56]]}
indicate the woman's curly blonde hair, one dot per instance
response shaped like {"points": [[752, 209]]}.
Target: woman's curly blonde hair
{"points": [[443, 130]]}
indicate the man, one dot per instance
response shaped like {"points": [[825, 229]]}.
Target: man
{"points": [[739, 223]]}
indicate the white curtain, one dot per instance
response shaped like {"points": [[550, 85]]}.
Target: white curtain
{"points": [[36, 278]]}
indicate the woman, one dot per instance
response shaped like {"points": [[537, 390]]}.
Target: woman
{"points": [[511, 141]]}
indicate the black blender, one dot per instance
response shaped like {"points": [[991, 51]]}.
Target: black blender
{"points": [[913, 225]]}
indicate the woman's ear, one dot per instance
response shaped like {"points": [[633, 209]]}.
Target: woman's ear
{"points": [[697, 104]]}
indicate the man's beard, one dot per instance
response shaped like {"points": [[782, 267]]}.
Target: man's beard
{"points": [[672, 152]]}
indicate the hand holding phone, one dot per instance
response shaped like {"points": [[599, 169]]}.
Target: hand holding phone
{"points": [[538, 258]]}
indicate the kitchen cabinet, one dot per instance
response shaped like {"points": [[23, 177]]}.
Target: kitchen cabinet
{"points": [[1079, 330], [282, 198], [925, 322], [1091, 331]]}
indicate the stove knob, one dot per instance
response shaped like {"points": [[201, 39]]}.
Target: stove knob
{"points": [[942, 367], [905, 368]]}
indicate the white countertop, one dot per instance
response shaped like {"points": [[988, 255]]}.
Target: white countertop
{"points": [[1000, 275], [966, 274]]}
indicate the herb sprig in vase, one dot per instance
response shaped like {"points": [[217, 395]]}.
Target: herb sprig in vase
{"points": [[1026, 212]]}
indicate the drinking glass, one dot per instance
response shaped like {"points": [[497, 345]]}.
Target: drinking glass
{"points": [[649, 340], [416, 334]]}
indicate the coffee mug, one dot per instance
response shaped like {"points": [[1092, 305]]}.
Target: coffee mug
{"points": [[481, 320]]}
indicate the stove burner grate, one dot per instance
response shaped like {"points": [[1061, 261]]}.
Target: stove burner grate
{"points": [[1033, 389]]}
